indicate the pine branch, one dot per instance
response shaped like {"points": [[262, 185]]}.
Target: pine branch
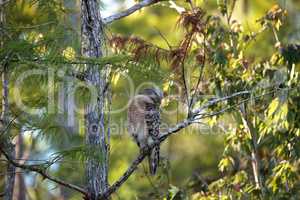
{"points": [[41, 171], [130, 10]]}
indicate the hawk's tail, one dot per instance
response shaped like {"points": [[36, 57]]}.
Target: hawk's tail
{"points": [[154, 160]]}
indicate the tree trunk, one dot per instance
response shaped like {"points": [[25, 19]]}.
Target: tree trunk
{"points": [[20, 189], [10, 177], [67, 107], [92, 37]]}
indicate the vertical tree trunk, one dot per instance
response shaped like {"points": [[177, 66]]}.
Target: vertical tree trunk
{"points": [[67, 107], [19, 189], [10, 177], [92, 42]]}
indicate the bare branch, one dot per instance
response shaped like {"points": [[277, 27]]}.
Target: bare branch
{"points": [[41, 171], [143, 154], [164, 136], [217, 100], [130, 10]]}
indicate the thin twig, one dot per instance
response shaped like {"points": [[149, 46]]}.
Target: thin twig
{"points": [[8, 126], [200, 75], [275, 35], [164, 38], [214, 101], [37, 25], [231, 11], [183, 72]]}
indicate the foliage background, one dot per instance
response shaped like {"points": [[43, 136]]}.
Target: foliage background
{"points": [[50, 30]]}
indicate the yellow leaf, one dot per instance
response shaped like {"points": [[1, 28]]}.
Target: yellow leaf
{"points": [[273, 106], [115, 78], [278, 24], [69, 53]]}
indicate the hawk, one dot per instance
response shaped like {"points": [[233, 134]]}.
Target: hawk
{"points": [[144, 122]]}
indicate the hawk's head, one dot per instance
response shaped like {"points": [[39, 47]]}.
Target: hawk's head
{"points": [[155, 94]]}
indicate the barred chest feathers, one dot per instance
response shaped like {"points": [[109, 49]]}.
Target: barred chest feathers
{"points": [[137, 125]]}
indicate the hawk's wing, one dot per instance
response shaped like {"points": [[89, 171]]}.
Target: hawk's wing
{"points": [[152, 120], [153, 123]]}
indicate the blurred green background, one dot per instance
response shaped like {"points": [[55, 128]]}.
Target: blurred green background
{"points": [[194, 153]]}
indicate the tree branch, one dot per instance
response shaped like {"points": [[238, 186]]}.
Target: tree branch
{"points": [[196, 115], [163, 137], [143, 154], [217, 100], [40, 171], [130, 10]]}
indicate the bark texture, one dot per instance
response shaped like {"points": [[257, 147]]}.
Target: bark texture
{"points": [[20, 188], [92, 37], [10, 177]]}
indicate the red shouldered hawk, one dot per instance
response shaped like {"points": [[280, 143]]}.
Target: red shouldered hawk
{"points": [[144, 122]]}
